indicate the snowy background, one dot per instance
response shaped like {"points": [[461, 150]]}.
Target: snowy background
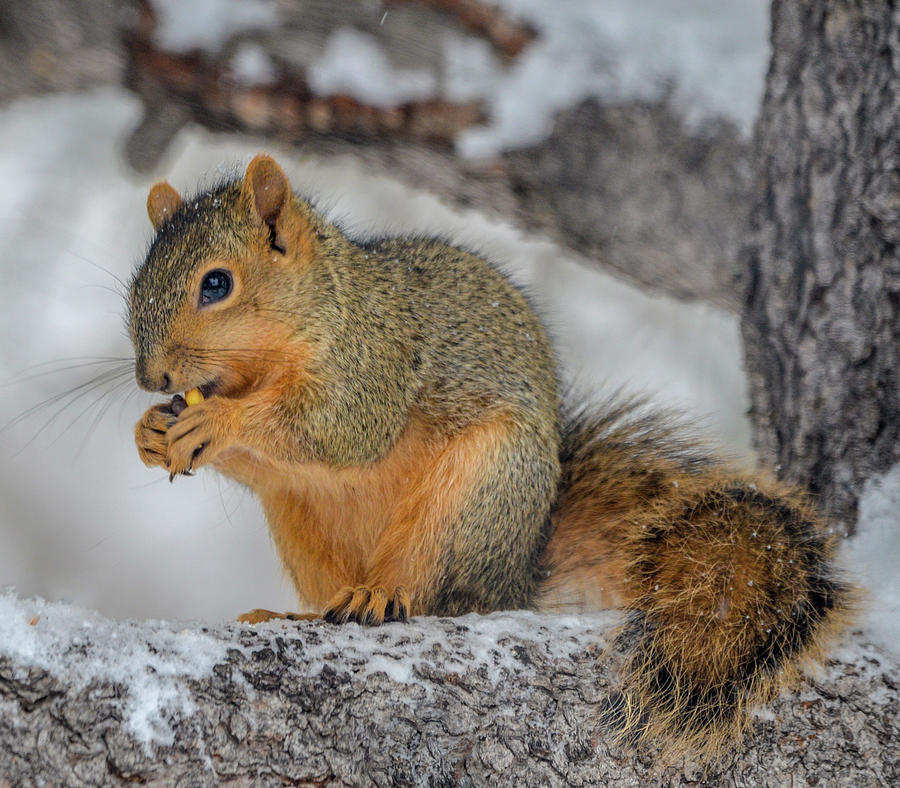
{"points": [[82, 520]]}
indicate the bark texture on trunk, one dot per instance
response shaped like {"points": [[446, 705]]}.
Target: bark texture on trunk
{"points": [[822, 307], [501, 700]]}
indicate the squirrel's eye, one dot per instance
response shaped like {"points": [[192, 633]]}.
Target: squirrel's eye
{"points": [[215, 286]]}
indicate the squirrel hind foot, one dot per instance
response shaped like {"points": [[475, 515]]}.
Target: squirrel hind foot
{"points": [[260, 615], [369, 606]]}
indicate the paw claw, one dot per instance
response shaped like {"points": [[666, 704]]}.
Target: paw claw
{"points": [[150, 435], [369, 606]]}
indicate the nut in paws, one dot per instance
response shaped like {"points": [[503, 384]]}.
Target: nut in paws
{"points": [[200, 433]]}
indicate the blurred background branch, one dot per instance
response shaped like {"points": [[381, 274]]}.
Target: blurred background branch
{"points": [[626, 185]]}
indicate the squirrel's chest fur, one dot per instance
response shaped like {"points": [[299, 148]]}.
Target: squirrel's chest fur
{"points": [[326, 522]]}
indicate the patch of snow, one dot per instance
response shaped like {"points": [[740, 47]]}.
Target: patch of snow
{"points": [[208, 24], [354, 63], [359, 648], [765, 713], [712, 54], [251, 65], [149, 661], [873, 553], [470, 69]]}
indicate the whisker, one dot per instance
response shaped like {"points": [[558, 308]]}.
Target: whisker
{"points": [[82, 363], [101, 412], [109, 289], [105, 270], [79, 391]]}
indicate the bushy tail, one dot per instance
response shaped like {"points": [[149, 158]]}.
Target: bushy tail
{"points": [[729, 583]]}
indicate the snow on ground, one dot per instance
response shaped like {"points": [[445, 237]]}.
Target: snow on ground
{"points": [[152, 662], [361, 649], [80, 517]]}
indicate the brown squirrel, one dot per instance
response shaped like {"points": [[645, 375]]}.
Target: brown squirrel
{"points": [[394, 404]]}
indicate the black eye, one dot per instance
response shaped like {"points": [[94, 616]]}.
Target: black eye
{"points": [[215, 286]]}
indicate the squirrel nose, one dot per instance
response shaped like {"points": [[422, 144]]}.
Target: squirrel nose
{"points": [[153, 381]]}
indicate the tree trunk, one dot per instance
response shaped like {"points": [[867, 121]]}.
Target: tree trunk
{"points": [[822, 311], [508, 699]]}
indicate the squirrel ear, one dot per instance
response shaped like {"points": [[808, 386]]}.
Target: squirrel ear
{"points": [[267, 188], [162, 202]]}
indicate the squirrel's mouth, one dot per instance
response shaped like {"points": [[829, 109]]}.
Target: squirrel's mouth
{"points": [[234, 389], [230, 383]]}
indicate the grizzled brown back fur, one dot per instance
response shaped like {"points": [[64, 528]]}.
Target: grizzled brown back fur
{"points": [[394, 405]]}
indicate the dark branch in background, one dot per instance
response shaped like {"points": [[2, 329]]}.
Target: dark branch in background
{"points": [[624, 185], [288, 107], [462, 708]]}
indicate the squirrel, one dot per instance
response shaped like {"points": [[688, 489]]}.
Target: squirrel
{"points": [[394, 404]]}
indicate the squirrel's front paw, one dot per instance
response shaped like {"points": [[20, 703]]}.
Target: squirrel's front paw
{"points": [[199, 434], [150, 434], [366, 605]]}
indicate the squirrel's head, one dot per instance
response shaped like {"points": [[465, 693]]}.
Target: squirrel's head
{"points": [[218, 290]]}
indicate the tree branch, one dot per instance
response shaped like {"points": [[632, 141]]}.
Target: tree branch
{"points": [[508, 699]]}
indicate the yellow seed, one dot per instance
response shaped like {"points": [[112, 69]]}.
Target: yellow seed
{"points": [[193, 397]]}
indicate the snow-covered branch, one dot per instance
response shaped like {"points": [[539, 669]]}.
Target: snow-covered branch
{"points": [[508, 699]]}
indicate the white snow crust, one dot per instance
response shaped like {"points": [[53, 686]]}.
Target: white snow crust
{"points": [[149, 660], [354, 63], [185, 25]]}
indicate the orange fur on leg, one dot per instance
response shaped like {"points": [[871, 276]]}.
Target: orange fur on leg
{"points": [[408, 554]]}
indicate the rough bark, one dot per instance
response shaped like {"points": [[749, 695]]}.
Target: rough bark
{"points": [[474, 704], [822, 312]]}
